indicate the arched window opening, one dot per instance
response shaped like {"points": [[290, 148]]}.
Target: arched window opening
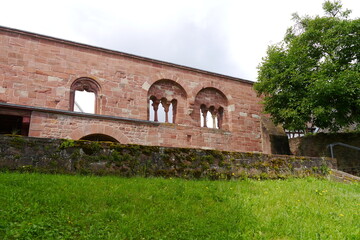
{"points": [[210, 117], [84, 96], [209, 108], [162, 110], [163, 97]]}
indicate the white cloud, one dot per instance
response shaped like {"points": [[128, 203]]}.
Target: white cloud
{"points": [[224, 36]]}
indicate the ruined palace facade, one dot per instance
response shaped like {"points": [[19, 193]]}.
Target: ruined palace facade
{"points": [[134, 100]]}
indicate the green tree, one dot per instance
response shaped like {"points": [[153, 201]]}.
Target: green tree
{"points": [[313, 75]]}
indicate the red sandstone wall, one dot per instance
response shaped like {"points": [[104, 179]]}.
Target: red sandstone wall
{"points": [[49, 125], [36, 71]]}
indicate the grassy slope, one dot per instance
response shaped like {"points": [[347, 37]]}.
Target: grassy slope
{"points": [[37, 206]]}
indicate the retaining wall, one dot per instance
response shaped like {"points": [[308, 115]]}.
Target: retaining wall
{"points": [[348, 159], [104, 158]]}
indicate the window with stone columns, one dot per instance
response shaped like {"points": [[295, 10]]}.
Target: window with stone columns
{"points": [[163, 98], [209, 108], [162, 110], [211, 117], [84, 96]]}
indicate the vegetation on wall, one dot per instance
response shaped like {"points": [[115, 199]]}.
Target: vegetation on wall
{"points": [[106, 158], [312, 77]]}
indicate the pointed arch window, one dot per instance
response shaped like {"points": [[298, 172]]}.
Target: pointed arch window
{"points": [[84, 96]]}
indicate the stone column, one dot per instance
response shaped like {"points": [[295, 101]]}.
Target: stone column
{"points": [[166, 106], [155, 105], [204, 113]]}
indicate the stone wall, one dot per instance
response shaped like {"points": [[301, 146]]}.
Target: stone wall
{"points": [[43, 72], [48, 125], [348, 159], [275, 140], [69, 156]]}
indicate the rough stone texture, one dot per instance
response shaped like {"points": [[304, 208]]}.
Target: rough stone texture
{"points": [[275, 139], [348, 159], [343, 176], [39, 71], [69, 156]]}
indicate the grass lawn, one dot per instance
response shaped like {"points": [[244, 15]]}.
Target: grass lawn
{"points": [[40, 206]]}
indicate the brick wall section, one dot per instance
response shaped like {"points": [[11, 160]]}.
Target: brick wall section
{"points": [[38, 71]]}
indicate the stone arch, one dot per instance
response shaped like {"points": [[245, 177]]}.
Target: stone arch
{"points": [[171, 87], [166, 97], [219, 87], [99, 129], [209, 106], [85, 84], [168, 76]]}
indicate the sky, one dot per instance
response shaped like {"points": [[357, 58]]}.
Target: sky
{"points": [[229, 37]]}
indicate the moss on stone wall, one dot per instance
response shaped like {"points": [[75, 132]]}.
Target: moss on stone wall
{"points": [[104, 158]]}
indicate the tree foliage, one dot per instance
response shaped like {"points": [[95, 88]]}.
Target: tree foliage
{"points": [[313, 76]]}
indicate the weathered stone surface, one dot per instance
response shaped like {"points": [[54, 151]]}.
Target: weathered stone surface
{"points": [[274, 138], [40, 71], [68, 156], [348, 160]]}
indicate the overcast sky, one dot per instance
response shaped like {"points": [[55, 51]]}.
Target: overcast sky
{"points": [[223, 36]]}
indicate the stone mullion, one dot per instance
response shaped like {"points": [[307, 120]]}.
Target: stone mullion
{"points": [[219, 118], [155, 105], [220, 115], [166, 106], [214, 120], [174, 107], [204, 113], [213, 116]]}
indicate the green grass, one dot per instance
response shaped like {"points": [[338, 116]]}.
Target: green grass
{"points": [[39, 206]]}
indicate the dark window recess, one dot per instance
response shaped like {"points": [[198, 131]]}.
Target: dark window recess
{"points": [[99, 137], [14, 125]]}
